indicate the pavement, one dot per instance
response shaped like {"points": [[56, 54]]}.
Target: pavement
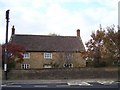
{"points": [[58, 81]]}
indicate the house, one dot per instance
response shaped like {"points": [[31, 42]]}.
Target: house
{"points": [[0, 56], [45, 51], [0, 52]]}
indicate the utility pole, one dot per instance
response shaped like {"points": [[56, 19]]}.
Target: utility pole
{"points": [[6, 45], [119, 41]]}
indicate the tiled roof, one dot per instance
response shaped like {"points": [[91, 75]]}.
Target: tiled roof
{"points": [[49, 43]]}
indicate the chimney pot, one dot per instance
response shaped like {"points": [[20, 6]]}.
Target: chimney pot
{"points": [[78, 32], [13, 30]]}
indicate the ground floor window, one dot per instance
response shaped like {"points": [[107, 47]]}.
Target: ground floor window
{"points": [[68, 65], [47, 66], [25, 66]]}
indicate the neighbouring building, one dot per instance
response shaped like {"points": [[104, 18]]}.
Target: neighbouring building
{"points": [[0, 56], [45, 51]]}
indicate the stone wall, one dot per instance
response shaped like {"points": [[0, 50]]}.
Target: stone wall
{"points": [[69, 73]]}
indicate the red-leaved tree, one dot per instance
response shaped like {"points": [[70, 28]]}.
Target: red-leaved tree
{"points": [[14, 53]]}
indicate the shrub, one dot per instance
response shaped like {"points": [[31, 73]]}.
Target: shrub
{"points": [[103, 64]]}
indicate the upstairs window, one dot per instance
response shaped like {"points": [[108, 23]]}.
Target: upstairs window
{"points": [[47, 55], [68, 56], [26, 55]]}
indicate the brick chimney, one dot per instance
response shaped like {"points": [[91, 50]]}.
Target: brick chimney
{"points": [[78, 32], [13, 30]]}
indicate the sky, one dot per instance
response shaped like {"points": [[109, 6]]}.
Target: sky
{"points": [[62, 17]]}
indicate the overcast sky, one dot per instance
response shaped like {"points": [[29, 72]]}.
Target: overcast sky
{"points": [[62, 17]]}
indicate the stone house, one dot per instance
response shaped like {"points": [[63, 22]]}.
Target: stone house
{"points": [[45, 51]]}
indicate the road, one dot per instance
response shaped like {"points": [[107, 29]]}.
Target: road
{"points": [[12, 86]]}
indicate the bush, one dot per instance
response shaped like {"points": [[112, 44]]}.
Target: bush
{"points": [[11, 65], [89, 63], [100, 64], [103, 64]]}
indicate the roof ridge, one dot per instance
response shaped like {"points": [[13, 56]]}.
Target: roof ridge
{"points": [[42, 35]]}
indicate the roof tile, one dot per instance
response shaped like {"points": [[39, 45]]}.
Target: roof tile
{"points": [[49, 43]]}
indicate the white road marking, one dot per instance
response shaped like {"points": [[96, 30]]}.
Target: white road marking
{"points": [[13, 86], [41, 86], [79, 83], [85, 83], [105, 82], [72, 83], [62, 85], [3, 85]]}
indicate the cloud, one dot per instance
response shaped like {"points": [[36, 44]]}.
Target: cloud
{"points": [[56, 16]]}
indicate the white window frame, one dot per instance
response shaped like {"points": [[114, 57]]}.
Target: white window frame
{"points": [[68, 64], [25, 66], [47, 66], [26, 55], [47, 55]]}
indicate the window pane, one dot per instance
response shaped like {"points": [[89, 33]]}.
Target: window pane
{"points": [[47, 55], [68, 65], [26, 55], [47, 66], [68, 56], [25, 66]]}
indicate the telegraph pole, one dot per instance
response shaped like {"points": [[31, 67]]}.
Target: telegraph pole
{"points": [[6, 45]]}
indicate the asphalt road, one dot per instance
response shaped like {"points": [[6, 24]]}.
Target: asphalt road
{"points": [[82, 85]]}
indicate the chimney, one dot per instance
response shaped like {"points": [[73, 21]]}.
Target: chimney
{"points": [[13, 30], [78, 32]]}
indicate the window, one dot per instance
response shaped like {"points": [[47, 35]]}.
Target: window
{"points": [[26, 55], [68, 56], [68, 65], [47, 66], [25, 66], [47, 55]]}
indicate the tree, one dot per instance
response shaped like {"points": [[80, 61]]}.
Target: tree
{"points": [[15, 54], [64, 58], [94, 46], [53, 34], [111, 44], [103, 47]]}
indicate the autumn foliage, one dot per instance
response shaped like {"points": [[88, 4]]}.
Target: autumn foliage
{"points": [[103, 47], [14, 52]]}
